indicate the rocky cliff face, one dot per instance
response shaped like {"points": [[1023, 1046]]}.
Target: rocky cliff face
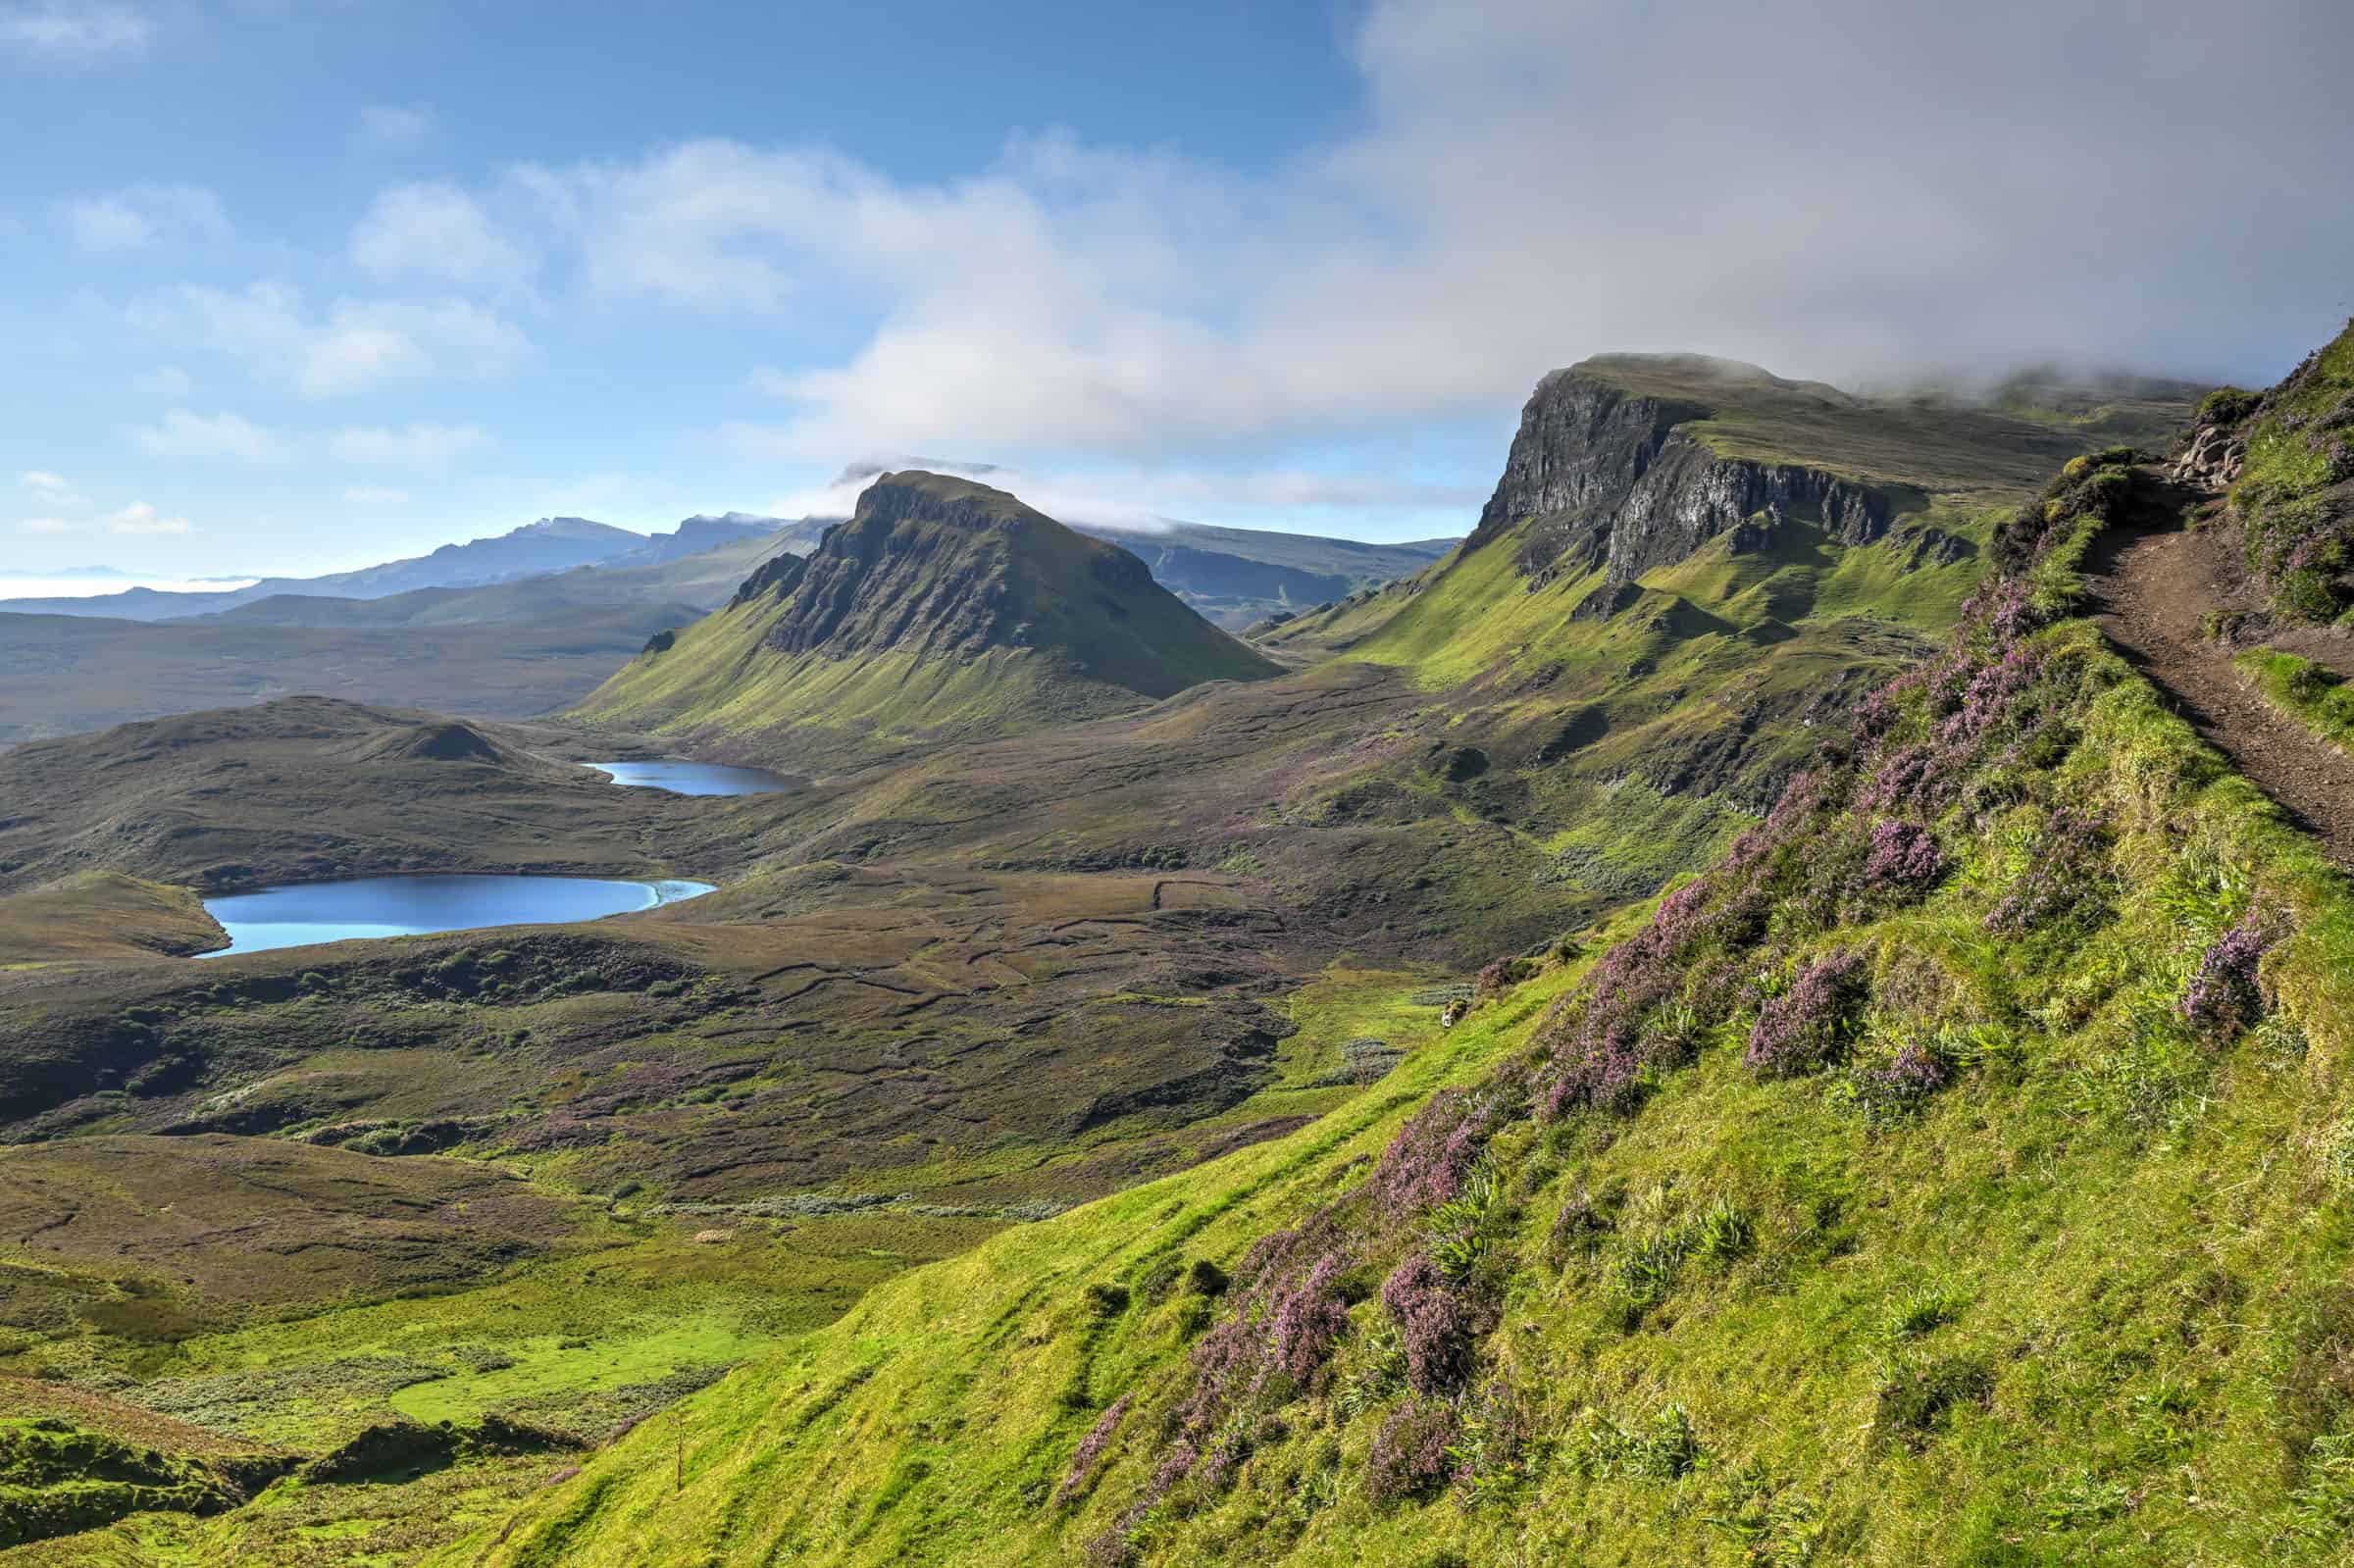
{"points": [[914, 569], [777, 577], [1612, 481], [938, 567]]}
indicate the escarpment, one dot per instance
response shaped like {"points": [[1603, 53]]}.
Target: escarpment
{"points": [[1612, 478]]}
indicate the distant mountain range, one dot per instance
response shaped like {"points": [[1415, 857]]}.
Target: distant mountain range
{"points": [[527, 621], [1232, 576], [551, 544]]}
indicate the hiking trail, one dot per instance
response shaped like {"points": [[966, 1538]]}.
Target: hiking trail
{"points": [[2150, 581]]}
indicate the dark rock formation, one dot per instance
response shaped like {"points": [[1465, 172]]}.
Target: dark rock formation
{"points": [[778, 575], [1614, 482]]}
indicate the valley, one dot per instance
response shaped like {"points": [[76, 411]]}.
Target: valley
{"points": [[1071, 895]]}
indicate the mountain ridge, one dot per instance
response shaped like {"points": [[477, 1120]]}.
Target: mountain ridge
{"points": [[942, 605]]}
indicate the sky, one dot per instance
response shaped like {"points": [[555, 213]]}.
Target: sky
{"points": [[296, 285]]}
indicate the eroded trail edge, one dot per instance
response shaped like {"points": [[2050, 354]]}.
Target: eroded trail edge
{"points": [[2150, 584]]}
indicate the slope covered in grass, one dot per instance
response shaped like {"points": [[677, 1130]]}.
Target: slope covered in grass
{"points": [[2290, 454], [943, 609], [1958, 1172]]}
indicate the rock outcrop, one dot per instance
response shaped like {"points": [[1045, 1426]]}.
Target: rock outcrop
{"points": [[1611, 479], [2212, 457]]}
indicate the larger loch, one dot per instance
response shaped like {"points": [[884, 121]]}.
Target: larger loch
{"points": [[302, 912], [681, 777]]}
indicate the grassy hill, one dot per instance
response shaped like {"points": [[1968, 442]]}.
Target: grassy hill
{"points": [[1958, 1172], [942, 610], [311, 787]]}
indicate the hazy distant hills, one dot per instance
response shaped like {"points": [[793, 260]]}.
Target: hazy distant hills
{"points": [[1232, 576], [506, 649], [551, 544], [1237, 576]]}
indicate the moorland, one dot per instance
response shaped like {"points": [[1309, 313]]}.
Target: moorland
{"points": [[1172, 1095]]}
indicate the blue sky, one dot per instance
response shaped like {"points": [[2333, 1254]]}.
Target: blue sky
{"points": [[294, 284]]}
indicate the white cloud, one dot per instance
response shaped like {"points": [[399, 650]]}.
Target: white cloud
{"points": [[50, 490], [140, 216], [231, 437], [374, 495], [1536, 180], [140, 518], [417, 446], [74, 29], [391, 126], [434, 231], [354, 345], [168, 381]]}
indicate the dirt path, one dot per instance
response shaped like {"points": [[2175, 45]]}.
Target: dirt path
{"points": [[2150, 584]]}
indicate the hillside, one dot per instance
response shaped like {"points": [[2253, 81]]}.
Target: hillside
{"points": [[1956, 1172], [942, 610], [308, 788]]}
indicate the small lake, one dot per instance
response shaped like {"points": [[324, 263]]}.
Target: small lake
{"points": [[302, 912], [693, 778]]}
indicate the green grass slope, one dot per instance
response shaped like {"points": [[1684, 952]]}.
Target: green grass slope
{"points": [[1960, 1172], [2293, 496], [942, 610]]}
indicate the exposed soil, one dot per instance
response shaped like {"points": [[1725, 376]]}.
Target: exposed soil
{"points": [[2150, 585]]}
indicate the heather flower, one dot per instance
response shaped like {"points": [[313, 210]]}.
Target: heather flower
{"points": [[1409, 1456], [1438, 1340], [1809, 791], [1306, 1321], [1089, 1451], [1810, 1023], [1909, 776], [1175, 1467], [1916, 1071], [1502, 975], [1425, 1164], [1904, 858], [1263, 1256], [1604, 1044], [2225, 996]]}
